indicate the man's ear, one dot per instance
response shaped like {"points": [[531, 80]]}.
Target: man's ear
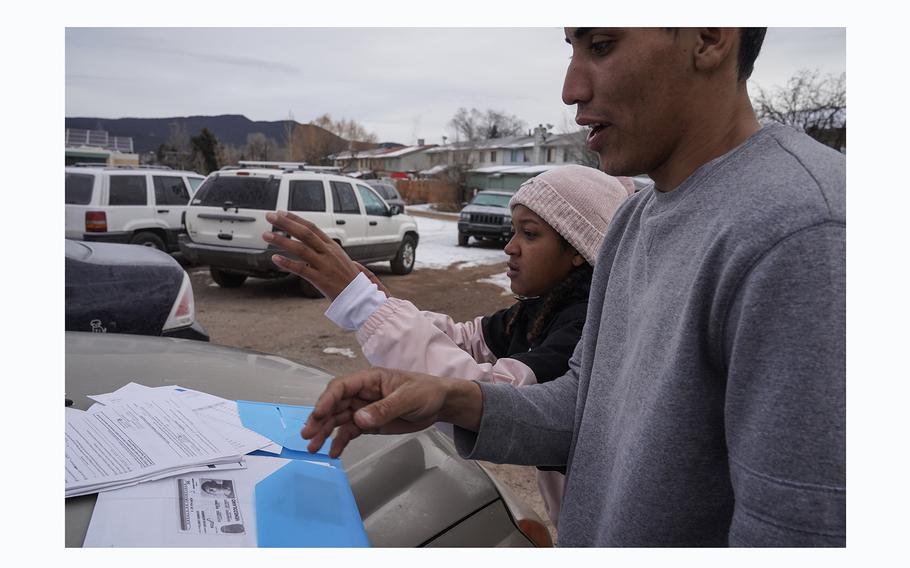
{"points": [[714, 47], [578, 260]]}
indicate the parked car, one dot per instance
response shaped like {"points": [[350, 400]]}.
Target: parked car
{"points": [[136, 205], [487, 216], [412, 490], [115, 288], [388, 192], [226, 219]]}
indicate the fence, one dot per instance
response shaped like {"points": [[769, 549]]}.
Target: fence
{"points": [[98, 139], [428, 191]]}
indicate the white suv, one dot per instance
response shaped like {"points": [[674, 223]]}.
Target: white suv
{"points": [[135, 205], [226, 219]]}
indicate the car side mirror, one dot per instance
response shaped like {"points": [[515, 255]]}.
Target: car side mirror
{"points": [[394, 210]]}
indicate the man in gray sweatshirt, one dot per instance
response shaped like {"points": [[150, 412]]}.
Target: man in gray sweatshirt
{"points": [[705, 403]]}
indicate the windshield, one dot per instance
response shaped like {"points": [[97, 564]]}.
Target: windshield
{"points": [[386, 191], [245, 192], [492, 200]]}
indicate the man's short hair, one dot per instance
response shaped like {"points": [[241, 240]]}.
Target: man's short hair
{"points": [[750, 41]]}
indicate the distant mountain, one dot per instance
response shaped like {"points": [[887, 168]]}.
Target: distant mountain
{"points": [[149, 133]]}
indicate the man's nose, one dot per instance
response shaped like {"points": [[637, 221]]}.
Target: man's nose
{"points": [[576, 88]]}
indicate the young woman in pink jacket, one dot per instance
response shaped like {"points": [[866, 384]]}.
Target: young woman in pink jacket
{"points": [[559, 219]]}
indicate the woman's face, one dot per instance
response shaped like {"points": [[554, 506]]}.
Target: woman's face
{"points": [[538, 259]]}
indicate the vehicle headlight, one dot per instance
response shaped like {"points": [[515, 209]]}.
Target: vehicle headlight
{"points": [[465, 216], [506, 220]]}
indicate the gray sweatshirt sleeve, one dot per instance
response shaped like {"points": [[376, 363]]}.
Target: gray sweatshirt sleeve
{"points": [[525, 425], [784, 347]]}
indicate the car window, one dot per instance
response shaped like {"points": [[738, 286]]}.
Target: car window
{"points": [[128, 190], [79, 188], [170, 190], [247, 192], [195, 183], [307, 195], [387, 191], [343, 198], [492, 200], [371, 202]]}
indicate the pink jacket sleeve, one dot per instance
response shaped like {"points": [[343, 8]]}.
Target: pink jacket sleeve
{"points": [[400, 336]]}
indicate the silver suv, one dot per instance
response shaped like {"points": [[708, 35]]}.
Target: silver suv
{"points": [[226, 219]]}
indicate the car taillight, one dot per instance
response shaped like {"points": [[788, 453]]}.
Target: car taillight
{"points": [[536, 532], [95, 222], [183, 312]]}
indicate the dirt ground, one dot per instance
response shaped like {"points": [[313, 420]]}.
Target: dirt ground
{"points": [[271, 316]]}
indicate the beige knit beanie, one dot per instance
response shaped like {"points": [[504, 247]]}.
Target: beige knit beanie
{"points": [[577, 201]]}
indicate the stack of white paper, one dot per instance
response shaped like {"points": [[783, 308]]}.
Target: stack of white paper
{"points": [[139, 434]]}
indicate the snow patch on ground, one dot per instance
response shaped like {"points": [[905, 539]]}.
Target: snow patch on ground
{"points": [[501, 280], [438, 247], [339, 351]]}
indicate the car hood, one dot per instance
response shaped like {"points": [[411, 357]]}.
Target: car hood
{"points": [[408, 488], [110, 253], [486, 209]]}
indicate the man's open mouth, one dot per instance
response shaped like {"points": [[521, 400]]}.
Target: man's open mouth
{"points": [[595, 128]]}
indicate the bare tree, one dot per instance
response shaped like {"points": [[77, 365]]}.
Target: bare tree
{"points": [[289, 127], [349, 129], [230, 155], [466, 125], [816, 105], [259, 147], [474, 125], [176, 151], [577, 151], [313, 146], [497, 124]]}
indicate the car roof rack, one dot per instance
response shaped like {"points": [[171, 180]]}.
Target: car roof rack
{"points": [[286, 167], [119, 166]]}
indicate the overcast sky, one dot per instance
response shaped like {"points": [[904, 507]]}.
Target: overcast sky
{"points": [[399, 83]]}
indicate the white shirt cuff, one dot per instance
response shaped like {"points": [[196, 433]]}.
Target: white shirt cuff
{"points": [[356, 303]]}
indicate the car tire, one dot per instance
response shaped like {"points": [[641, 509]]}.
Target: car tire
{"points": [[403, 263], [307, 289], [227, 279], [463, 239], [147, 239]]}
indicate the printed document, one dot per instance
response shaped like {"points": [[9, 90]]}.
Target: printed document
{"points": [[139, 439]]}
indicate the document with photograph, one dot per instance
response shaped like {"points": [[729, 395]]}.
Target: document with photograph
{"points": [[208, 506], [213, 509]]}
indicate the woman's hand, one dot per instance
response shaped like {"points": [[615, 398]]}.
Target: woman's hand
{"points": [[313, 255]]}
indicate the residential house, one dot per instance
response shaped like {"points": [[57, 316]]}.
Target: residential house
{"points": [[506, 163], [388, 162]]}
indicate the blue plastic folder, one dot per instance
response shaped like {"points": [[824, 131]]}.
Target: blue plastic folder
{"points": [[303, 504]]}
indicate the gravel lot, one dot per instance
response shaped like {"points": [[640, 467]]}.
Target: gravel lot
{"points": [[270, 316]]}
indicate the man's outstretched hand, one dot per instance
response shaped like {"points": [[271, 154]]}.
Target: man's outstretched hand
{"points": [[385, 401]]}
